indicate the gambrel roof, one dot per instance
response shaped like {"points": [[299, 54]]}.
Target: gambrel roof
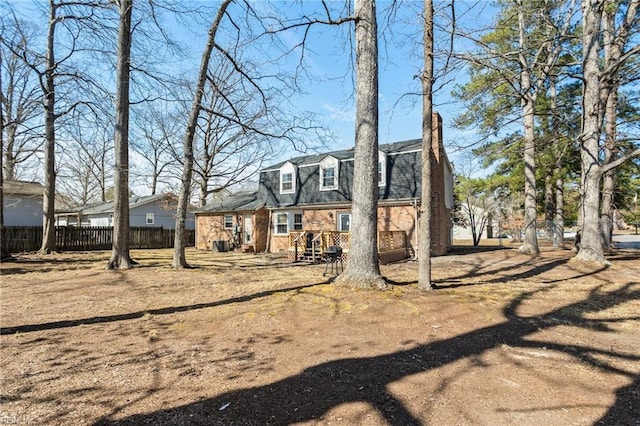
{"points": [[401, 180], [400, 173], [347, 154]]}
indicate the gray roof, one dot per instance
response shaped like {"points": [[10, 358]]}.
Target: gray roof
{"points": [[403, 181], [133, 203], [347, 154], [402, 174], [240, 201], [20, 187]]}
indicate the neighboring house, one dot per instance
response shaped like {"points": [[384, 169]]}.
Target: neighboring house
{"points": [[150, 211], [22, 203], [308, 199]]}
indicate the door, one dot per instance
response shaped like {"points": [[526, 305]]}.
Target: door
{"points": [[247, 230]]}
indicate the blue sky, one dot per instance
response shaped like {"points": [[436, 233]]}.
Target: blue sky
{"points": [[328, 91], [331, 95], [328, 88]]}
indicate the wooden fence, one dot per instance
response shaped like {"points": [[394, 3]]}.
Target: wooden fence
{"points": [[69, 238]]}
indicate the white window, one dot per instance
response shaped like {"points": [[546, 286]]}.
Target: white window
{"points": [[228, 221], [287, 182], [288, 178], [282, 223], [382, 168], [448, 187], [150, 218], [344, 222], [329, 174], [328, 178]]}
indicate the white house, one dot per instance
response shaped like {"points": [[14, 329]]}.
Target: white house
{"points": [[22, 203]]}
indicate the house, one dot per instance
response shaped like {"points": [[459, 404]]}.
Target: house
{"points": [[235, 220], [22, 203], [149, 211], [305, 203]]}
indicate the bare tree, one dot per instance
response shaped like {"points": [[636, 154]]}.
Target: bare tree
{"points": [[86, 167], [362, 269], [179, 259], [265, 118], [227, 152], [157, 129], [478, 204], [424, 236], [4, 249], [120, 256], [20, 99], [54, 69], [48, 87]]}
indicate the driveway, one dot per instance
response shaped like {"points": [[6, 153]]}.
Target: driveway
{"points": [[627, 242]]}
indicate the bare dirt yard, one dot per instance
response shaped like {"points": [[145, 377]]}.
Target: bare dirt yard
{"points": [[504, 339]]}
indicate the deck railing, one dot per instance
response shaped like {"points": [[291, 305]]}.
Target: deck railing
{"points": [[315, 243]]}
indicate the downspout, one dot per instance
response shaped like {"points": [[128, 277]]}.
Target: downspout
{"points": [[268, 246], [415, 229]]}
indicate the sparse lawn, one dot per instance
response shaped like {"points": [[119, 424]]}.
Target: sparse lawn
{"points": [[252, 339]]}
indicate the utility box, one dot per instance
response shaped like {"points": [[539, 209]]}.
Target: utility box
{"points": [[220, 246]]}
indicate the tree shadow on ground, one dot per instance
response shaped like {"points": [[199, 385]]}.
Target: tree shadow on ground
{"points": [[532, 267], [17, 266], [460, 249], [26, 328], [311, 394]]}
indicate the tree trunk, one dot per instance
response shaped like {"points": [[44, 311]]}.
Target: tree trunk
{"points": [[362, 268], [120, 257], [9, 165], [590, 245], [608, 185], [424, 228], [48, 202], [203, 193], [4, 249], [154, 182], [559, 225], [549, 204], [179, 258], [530, 243], [558, 188]]}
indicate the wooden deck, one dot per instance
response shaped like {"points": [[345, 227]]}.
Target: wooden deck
{"points": [[311, 245]]}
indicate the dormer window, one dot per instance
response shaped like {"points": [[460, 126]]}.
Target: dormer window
{"points": [[287, 182], [382, 168], [287, 179], [329, 174]]}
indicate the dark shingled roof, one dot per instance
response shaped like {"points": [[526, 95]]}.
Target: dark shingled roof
{"points": [[240, 201], [345, 154], [133, 203]]}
